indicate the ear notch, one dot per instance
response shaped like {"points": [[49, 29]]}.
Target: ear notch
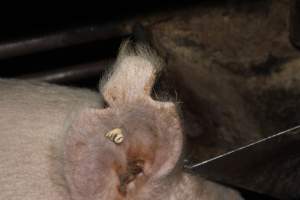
{"points": [[133, 74]]}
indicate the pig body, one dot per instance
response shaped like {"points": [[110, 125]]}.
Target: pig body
{"points": [[33, 118], [54, 143]]}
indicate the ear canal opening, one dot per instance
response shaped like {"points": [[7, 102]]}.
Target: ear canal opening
{"points": [[134, 169]]}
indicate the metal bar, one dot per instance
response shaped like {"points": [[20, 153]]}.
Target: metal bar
{"points": [[71, 73], [270, 166], [63, 39]]}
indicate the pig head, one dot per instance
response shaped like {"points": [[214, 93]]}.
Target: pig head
{"points": [[144, 162], [60, 143]]}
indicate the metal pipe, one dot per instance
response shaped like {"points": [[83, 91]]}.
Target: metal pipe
{"points": [[63, 39], [71, 73]]}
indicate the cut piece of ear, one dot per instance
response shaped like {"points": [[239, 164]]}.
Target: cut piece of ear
{"points": [[133, 75]]}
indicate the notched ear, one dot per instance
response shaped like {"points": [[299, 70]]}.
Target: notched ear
{"points": [[133, 74]]}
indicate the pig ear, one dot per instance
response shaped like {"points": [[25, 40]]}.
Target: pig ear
{"points": [[132, 76]]}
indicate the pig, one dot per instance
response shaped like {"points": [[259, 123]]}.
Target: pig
{"points": [[62, 143]]}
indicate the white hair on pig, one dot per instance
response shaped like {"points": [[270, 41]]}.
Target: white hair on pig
{"points": [[133, 74]]}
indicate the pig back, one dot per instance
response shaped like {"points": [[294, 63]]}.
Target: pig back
{"points": [[33, 121]]}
